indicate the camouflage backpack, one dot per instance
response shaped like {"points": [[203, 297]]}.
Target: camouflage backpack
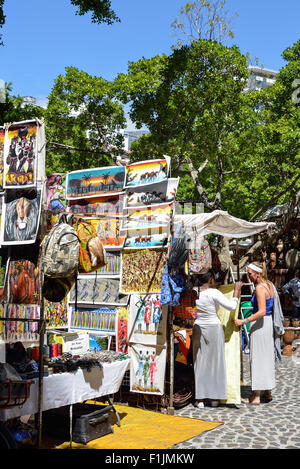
{"points": [[92, 253], [60, 250]]}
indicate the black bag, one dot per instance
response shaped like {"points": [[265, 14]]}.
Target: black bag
{"points": [[89, 422], [179, 252]]}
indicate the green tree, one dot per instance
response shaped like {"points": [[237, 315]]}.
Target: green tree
{"points": [[14, 109], [192, 103], [83, 119]]}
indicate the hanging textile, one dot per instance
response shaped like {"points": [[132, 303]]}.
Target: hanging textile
{"points": [[232, 348]]}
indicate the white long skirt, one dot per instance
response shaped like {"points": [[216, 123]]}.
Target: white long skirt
{"points": [[262, 356], [209, 361]]}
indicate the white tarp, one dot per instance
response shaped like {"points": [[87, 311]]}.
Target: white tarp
{"points": [[221, 223]]}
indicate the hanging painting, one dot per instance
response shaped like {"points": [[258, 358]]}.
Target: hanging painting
{"points": [[122, 330], [151, 216], [20, 155], [20, 217], [146, 172], [98, 206], [160, 192], [96, 319], [147, 369], [2, 134], [108, 230], [142, 270], [144, 239], [147, 320], [55, 198], [97, 290], [23, 282], [94, 182], [56, 314], [112, 266]]}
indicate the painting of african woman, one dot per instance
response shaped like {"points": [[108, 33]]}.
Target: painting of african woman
{"points": [[20, 218], [23, 284], [147, 369], [147, 319], [20, 155], [94, 182], [142, 270]]}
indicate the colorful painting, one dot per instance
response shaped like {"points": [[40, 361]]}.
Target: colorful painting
{"points": [[147, 369], [2, 135], [23, 284], [160, 192], [143, 239], [151, 216], [108, 205], [147, 172], [112, 266], [142, 270], [55, 198], [20, 218], [94, 182], [97, 290], [108, 230], [96, 319], [147, 320], [56, 314], [122, 330], [20, 155]]}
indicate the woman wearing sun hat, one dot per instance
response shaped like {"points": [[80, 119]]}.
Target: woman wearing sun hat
{"points": [[262, 356]]}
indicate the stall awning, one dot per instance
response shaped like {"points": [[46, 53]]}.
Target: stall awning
{"points": [[221, 223]]}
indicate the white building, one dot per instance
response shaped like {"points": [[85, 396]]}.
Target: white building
{"points": [[260, 78]]}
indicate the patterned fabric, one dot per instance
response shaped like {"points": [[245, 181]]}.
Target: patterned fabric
{"points": [[187, 307], [171, 288], [200, 260]]}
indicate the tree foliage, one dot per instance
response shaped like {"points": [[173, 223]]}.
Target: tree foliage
{"points": [[82, 121]]}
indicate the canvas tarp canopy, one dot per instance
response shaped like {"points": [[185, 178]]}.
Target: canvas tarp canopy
{"points": [[221, 223]]}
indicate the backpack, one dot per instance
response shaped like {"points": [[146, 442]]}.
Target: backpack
{"points": [[92, 254], [60, 250]]}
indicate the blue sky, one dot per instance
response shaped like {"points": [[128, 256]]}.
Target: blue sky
{"points": [[43, 37]]}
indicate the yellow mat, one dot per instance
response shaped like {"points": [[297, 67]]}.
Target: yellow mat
{"points": [[142, 429]]}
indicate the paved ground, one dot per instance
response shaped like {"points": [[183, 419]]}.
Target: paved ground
{"points": [[274, 425]]}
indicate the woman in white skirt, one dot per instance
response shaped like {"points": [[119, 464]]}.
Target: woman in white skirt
{"points": [[262, 356], [209, 342]]}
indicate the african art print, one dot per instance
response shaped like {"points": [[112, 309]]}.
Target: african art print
{"points": [[147, 320], [20, 218], [146, 172], [104, 206], [160, 192], [147, 369], [20, 155], [2, 134], [97, 290], [94, 182], [142, 270]]}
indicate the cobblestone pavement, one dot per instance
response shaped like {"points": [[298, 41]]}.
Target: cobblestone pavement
{"points": [[273, 425]]}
